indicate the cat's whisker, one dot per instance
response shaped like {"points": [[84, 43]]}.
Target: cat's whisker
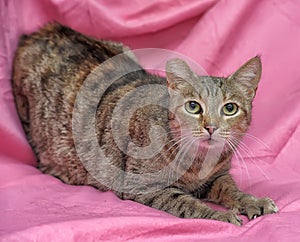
{"points": [[254, 138], [173, 146], [252, 158], [186, 149], [243, 147], [176, 145], [236, 156], [178, 158], [237, 152], [179, 143], [176, 142], [246, 150], [180, 133]]}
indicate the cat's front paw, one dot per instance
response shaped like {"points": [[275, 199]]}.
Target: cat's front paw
{"points": [[259, 206], [228, 216]]}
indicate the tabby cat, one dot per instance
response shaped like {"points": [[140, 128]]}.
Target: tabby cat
{"points": [[200, 116]]}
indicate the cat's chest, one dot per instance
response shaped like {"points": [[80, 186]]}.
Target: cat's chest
{"points": [[192, 180], [198, 177]]}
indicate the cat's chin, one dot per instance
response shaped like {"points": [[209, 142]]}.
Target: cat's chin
{"points": [[210, 144]]}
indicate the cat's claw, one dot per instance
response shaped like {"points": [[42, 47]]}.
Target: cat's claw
{"points": [[259, 207], [228, 216]]}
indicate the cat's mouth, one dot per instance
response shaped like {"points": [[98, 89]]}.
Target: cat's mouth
{"points": [[203, 141], [210, 143]]}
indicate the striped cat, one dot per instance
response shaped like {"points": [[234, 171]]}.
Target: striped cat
{"points": [[203, 119]]}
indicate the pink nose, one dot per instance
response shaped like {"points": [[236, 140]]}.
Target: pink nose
{"points": [[211, 129]]}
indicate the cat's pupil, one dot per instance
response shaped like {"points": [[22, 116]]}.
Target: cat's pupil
{"points": [[193, 105], [229, 107]]}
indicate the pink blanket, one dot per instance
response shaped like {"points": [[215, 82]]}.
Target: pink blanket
{"points": [[220, 36]]}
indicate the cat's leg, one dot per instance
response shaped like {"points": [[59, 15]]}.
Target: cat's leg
{"points": [[224, 191], [180, 204]]}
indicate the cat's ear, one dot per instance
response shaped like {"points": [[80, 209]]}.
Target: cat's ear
{"points": [[178, 73], [247, 77]]}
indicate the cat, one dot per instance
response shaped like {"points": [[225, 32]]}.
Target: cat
{"points": [[206, 115]]}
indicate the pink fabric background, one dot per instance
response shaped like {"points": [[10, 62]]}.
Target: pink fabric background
{"points": [[220, 36]]}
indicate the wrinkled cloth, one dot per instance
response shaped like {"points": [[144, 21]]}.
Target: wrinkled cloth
{"points": [[220, 36]]}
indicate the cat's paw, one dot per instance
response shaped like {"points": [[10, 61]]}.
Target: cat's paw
{"points": [[228, 216], [258, 207]]}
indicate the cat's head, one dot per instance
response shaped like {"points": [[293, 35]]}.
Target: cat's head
{"points": [[211, 111]]}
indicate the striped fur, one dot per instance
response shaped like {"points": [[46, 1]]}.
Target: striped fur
{"points": [[49, 69]]}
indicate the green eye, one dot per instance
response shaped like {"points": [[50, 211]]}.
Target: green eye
{"points": [[193, 107], [230, 109]]}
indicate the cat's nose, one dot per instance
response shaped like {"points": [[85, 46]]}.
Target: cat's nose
{"points": [[211, 129]]}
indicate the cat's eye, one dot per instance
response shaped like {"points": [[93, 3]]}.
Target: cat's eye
{"points": [[193, 107], [230, 109]]}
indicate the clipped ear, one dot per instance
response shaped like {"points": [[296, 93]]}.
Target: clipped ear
{"points": [[178, 73], [248, 76]]}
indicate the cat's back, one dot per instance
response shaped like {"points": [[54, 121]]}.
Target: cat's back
{"points": [[50, 67], [56, 51]]}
